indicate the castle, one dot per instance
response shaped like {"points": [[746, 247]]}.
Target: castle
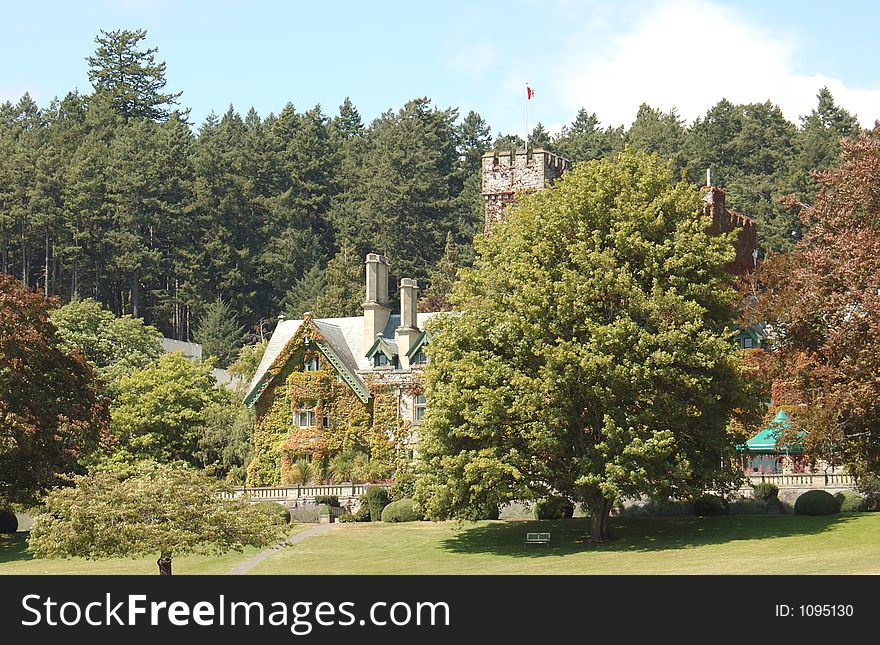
{"points": [[327, 384]]}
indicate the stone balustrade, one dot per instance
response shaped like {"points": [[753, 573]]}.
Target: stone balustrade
{"points": [[299, 495]]}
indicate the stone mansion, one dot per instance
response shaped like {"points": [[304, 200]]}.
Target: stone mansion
{"points": [[327, 384]]}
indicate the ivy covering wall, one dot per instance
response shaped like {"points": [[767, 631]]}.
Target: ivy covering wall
{"points": [[374, 427]]}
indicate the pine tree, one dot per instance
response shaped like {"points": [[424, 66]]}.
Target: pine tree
{"points": [[584, 139], [344, 290], [539, 137], [303, 296], [441, 278], [130, 79], [219, 333]]}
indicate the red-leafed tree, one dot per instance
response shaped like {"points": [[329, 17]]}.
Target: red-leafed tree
{"points": [[51, 411], [822, 303]]}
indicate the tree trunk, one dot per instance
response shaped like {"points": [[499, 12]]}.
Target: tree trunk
{"points": [[164, 563], [600, 508], [135, 296]]}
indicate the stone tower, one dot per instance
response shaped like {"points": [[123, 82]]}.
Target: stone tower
{"points": [[725, 219], [506, 173]]}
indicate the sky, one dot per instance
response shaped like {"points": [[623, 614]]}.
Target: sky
{"points": [[607, 57]]}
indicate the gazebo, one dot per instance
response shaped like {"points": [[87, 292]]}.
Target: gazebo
{"points": [[763, 453]]}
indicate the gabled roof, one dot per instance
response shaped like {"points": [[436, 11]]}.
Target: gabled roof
{"points": [[421, 341], [345, 347], [384, 345]]}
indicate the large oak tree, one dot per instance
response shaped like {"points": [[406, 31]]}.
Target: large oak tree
{"points": [[591, 357]]}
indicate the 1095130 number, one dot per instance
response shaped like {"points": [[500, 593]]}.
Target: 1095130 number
{"points": [[825, 610], [814, 611]]}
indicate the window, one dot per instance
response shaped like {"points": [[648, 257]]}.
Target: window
{"points": [[380, 360], [419, 405], [310, 363], [420, 358], [747, 343], [305, 418]]}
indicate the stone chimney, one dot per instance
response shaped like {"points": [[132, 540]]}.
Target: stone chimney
{"points": [[406, 334], [376, 311]]}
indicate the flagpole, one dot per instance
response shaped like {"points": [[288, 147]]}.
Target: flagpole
{"points": [[527, 122]]}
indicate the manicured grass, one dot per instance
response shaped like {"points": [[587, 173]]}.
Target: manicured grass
{"points": [[740, 544], [15, 559]]}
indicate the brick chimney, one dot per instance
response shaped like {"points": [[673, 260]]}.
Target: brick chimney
{"points": [[376, 311], [408, 331]]}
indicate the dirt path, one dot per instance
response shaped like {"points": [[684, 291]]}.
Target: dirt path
{"points": [[253, 561]]}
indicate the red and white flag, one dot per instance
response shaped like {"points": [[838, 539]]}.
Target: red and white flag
{"points": [[530, 93]]}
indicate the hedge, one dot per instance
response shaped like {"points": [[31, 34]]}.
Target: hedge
{"points": [[851, 502], [816, 502], [403, 510], [8, 521], [709, 505]]}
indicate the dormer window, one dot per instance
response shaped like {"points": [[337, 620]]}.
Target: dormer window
{"points": [[420, 358], [380, 360]]}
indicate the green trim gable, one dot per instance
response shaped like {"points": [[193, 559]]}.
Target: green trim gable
{"points": [[421, 341], [310, 332], [353, 380], [389, 348]]}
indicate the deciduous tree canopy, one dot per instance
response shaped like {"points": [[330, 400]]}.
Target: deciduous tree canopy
{"points": [[592, 356]]}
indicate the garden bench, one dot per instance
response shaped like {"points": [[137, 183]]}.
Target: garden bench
{"points": [[537, 538]]}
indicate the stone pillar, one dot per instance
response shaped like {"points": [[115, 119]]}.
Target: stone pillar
{"points": [[376, 311], [406, 334]]}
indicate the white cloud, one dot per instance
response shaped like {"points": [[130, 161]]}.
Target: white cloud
{"points": [[689, 54]]}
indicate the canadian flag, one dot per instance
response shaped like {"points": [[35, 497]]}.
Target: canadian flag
{"points": [[530, 93]]}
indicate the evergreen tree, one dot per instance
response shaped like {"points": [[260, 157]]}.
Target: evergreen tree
{"points": [[660, 132], [130, 79], [441, 279], [344, 290], [508, 143], [303, 296], [584, 139], [218, 333], [539, 137]]}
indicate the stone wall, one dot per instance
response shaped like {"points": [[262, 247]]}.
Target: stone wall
{"points": [[506, 173]]}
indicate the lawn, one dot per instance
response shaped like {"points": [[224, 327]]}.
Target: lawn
{"points": [[740, 544], [15, 559]]}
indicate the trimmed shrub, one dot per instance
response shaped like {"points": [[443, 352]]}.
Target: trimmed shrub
{"points": [[869, 486], [747, 507], [553, 508], [346, 517], [816, 502], [404, 485], [363, 513], [709, 505], [327, 500], [403, 510], [281, 511], [765, 490], [377, 499], [851, 502], [305, 514], [8, 521]]}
